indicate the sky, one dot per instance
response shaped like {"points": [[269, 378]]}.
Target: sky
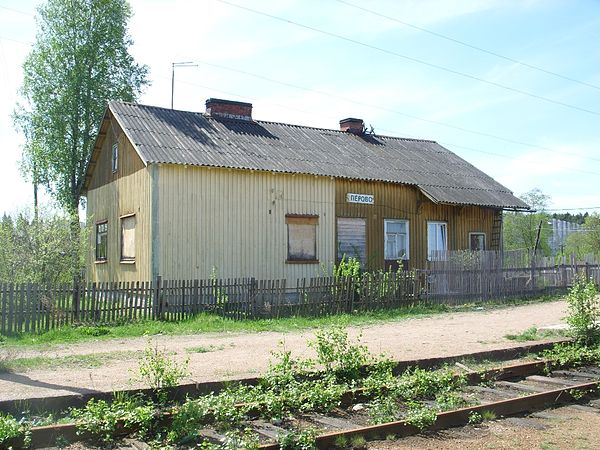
{"points": [[511, 86]]}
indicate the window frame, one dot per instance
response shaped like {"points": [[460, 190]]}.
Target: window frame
{"points": [[477, 233], [115, 157], [127, 259], [302, 219], [429, 251], [407, 239], [98, 257]]}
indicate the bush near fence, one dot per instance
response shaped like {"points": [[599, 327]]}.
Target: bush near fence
{"points": [[34, 308]]}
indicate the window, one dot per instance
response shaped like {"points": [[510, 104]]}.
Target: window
{"points": [[115, 157], [101, 240], [396, 239], [302, 238], [477, 241], [437, 240], [128, 238], [352, 238]]}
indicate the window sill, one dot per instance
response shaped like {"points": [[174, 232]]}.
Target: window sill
{"points": [[127, 261], [299, 261], [101, 261]]}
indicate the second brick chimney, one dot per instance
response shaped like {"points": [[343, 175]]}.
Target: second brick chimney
{"points": [[351, 125], [229, 109]]}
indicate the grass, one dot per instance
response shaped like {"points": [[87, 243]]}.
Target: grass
{"points": [[204, 349], [206, 323], [535, 334], [90, 361]]}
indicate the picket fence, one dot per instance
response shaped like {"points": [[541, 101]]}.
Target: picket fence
{"points": [[26, 308]]}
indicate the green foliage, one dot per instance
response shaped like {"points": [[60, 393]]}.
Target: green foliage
{"points": [[419, 415], [449, 400], [338, 355], [223, 409], [79, 59], [160, 371], [11, 428], [347, 268], [573, 355], [103, 419], [382, 410], [487, 415], [535, 334], [39, 250], [520, 229], [299, 440], [475, 418], [427, 384], [587, 242], [583, 314], [246, 439]]}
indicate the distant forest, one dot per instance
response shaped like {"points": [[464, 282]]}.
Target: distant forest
{"points": [[574, 218]]}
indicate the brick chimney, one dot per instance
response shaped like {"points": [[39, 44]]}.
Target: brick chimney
{"points": [[351, 125], [229, 109]]}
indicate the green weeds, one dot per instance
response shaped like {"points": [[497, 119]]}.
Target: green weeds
{"points": [[160, 371], [92, 360], [535, 334], [12, 429], [103, 419], [583, 314]]}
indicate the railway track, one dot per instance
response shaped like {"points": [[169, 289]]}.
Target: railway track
{"points": [[500, 392]]}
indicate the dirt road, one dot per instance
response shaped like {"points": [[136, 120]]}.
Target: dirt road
{"points": [[215, 356]]}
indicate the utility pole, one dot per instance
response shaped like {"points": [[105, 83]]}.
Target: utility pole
{"points": [[178, 64]]}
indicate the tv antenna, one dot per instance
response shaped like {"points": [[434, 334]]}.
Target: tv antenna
{"points": [[178, 64]]}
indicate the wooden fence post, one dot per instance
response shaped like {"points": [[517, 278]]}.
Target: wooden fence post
{"points": [[157, 301], [76, 299]]}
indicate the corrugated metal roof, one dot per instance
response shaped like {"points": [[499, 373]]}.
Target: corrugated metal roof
{"points": [[177, 137]]}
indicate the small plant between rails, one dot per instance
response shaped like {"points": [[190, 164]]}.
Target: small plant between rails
{"points": [[300, 398]]}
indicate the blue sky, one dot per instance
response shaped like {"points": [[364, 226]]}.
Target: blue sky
{"points": [[548, 139]]}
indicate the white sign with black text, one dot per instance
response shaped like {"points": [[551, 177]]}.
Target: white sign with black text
{"points": [[360, 198]]}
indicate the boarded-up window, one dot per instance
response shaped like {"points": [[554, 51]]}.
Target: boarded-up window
{"points": [[352, 238], [101, 241], [302, 237], [128, 238], [477, 241]]}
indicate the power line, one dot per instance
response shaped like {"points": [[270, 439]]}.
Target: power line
{"points": [[412, 59], [17, 11], [573, 209], [471, 46], [393, 111]]}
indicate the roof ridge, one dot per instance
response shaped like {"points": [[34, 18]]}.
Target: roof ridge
{"points": [[274, 122]]}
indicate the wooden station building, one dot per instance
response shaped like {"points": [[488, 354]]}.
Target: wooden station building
{"points": [[185, 194]]}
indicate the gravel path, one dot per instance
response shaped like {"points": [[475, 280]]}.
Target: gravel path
{"points": [[214, 356]]}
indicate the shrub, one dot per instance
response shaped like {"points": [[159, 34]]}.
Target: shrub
{"points": [[11, 428], [160, 371], [584, 311]]}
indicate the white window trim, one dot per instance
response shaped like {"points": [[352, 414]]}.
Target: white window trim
{"points": [[114, 161], [436, 222], [478, 233], [407, 222]]}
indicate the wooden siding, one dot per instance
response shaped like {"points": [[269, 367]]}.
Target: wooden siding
{"points": [[394, 201], [128, 160], [126, 195], [235, 222]]}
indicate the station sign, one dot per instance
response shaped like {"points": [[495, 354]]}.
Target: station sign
{"points": [[365, 199]]}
